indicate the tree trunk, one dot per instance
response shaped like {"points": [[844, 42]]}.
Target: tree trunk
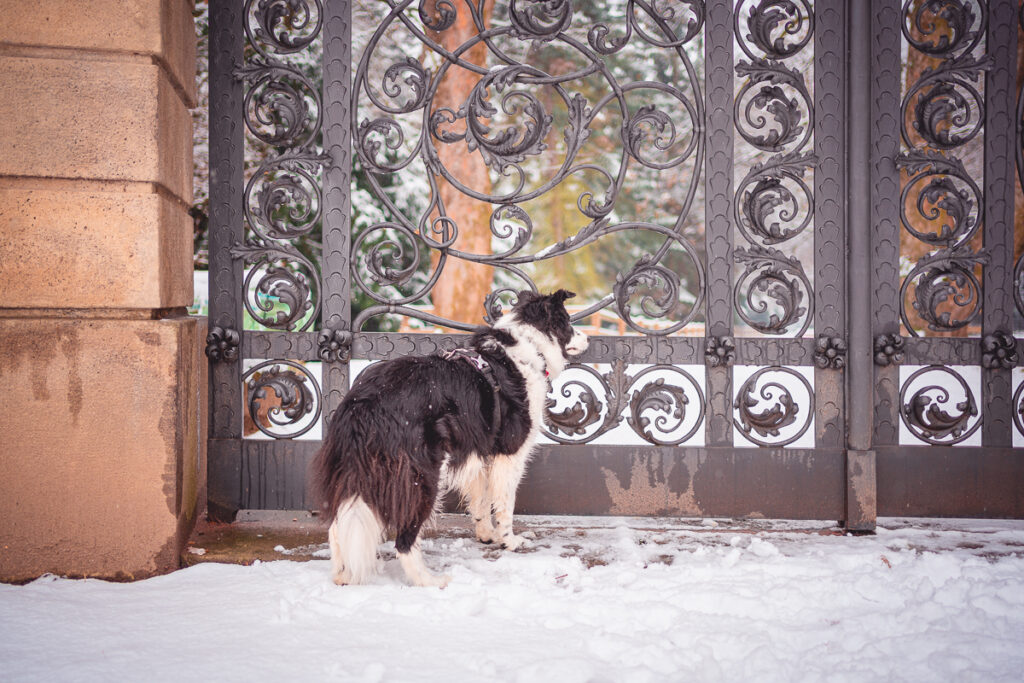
{"points": [[460, 292]]}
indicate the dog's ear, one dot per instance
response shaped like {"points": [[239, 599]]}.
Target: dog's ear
{"points": [[561, 295]]}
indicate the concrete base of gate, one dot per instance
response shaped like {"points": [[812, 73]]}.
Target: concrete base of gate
{"points": [[112, 481]]}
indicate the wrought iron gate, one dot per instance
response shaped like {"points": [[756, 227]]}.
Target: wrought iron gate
{"points": [[763, 170]]}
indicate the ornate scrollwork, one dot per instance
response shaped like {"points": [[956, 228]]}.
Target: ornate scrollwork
{"points": [[888, 349], [440, 16], [387, 259], [658, 289], [766, 408], [661, 15], [334, 346], [944, 27], [668, 402], [541, 21], [222, 345], [283, 296], [950, 198], [783, 97], [295, 406], [657, 407], [586, 411], [285, 26], [945, 283], [830, 352], [649, 117], [925, 412], [767, 210], [400, 122], [771, 276], [282, 106], [720, 352], [948, 110], [511, 145], [777, 28], [283, 199], [998, 350]]}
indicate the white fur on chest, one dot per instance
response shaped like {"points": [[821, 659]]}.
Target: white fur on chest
{"points": [[538, 358]]}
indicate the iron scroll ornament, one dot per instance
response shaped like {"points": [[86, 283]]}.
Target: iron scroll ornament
{"points": [[943, 187], [925, 413], [659, 407], [282, 297], [282, 26], [296, 403], [944, 27], [780, 413], [948, 108], [945, 276], [769, 199], [389, 274], [771, 277], [282, 200]]}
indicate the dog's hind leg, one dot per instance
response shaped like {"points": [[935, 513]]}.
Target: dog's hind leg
{"points": [[353, 537], [471, 481], [416, 569], [407, 543], [505, 473]]}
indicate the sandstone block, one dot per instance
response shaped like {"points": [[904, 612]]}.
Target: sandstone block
{"points": [[97, 120], [102, 470], [162, 29], [63, 248]]}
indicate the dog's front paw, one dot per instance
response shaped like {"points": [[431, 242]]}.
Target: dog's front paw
{"points": [[437, 581], [513, 542], [485, 536]]}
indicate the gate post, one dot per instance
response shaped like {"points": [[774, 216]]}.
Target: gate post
{"points": [[861, 500], [226, 206], [102, 464]]}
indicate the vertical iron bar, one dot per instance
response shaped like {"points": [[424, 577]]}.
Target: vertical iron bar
{"points": [[874, 209], [997, 307], [860, 509], [226, 188], [829, 211], [337, 126], [860, 390], [718, 50]]}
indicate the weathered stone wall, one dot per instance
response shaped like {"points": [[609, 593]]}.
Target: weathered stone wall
{"points": [[102, 378]]}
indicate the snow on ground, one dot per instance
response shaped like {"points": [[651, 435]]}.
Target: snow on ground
{"points": [[605, 599]]}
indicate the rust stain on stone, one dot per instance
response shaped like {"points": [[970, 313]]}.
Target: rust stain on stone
{"points": [[71, 346], [31, 346], [148, 338]]}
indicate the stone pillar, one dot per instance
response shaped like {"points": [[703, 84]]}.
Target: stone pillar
{"points": [[102, 377]]}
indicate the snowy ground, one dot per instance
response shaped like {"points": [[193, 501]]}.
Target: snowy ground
{"points": [[598, 599]]}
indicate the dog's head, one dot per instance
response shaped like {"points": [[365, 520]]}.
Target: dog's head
{"points": [[547, 314]]}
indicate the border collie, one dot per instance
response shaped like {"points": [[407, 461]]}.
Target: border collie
{"points": [[412, 428]]}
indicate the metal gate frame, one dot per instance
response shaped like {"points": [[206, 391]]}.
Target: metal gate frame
{"points": [[855, 472]]}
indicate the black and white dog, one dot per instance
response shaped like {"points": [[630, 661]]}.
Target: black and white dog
{"points": [[412, 428]]}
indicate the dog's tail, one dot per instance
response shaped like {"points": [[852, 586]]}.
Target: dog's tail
{"points": [[354, 536]]}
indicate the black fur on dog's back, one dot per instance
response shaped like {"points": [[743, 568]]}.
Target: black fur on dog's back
{"points": [[389, 437]]}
